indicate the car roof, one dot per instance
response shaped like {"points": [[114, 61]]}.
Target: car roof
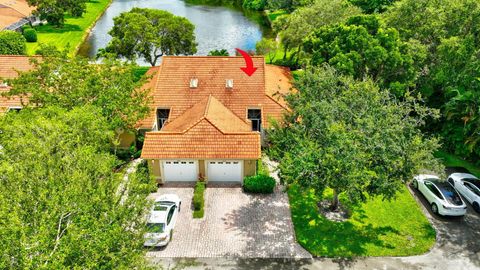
{"points": [[167, 197], [460, 176], [427, 176]]}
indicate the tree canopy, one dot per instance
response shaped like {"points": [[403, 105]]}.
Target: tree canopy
{"points": [[59, 202], [363, 47], [12, 43], [351, 136], [150, 34], [54, 10], [70, 82]]}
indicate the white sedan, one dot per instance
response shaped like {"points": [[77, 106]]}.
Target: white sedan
{"points": [[161, 221], [441, 196], [467, 185]]}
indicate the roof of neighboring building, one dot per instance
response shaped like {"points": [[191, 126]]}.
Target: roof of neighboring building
{"points": [[12, 11], [170, 86], [9, 65]]}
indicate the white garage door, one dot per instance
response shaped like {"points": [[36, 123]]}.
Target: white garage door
{"points": [[180, 170], [225, 170]]}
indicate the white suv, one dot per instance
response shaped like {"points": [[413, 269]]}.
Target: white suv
{"points": [[467, 185]]}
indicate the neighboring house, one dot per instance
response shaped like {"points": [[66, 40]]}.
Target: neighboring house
{"points": [[15, 13], [208, 116], [9, 65]]}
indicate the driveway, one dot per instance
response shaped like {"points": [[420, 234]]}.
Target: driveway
{"points": [[235, 225]]}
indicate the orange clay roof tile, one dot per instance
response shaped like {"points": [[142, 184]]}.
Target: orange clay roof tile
{"points": [[10, 65]]}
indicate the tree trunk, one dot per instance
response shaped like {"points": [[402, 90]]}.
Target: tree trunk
{"points": [[334, 205]]}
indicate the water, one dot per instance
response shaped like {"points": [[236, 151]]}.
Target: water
{"points": [[216, 27]]}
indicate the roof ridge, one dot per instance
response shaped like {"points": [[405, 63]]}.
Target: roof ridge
{"points": [[207, 107]]}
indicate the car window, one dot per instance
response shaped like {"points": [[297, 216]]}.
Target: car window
{"points": [[449, 193], [450, 180], [155, 227], [472, 188], [433, 189], [170, 214]]}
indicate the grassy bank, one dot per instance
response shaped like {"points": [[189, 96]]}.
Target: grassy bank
{"points": [[376, 228], [74, 31], [450, 160]]}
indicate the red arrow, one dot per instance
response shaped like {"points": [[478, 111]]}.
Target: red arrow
{"points": [[249, 69]]}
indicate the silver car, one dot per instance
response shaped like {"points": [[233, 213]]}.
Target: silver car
{"points": [[467, 185], [442, 197], [161, 221]]}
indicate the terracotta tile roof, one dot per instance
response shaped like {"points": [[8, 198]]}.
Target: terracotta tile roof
{"points": [[202, 141], [278, 82], [9, 65], [12, 11], [170, 86]]}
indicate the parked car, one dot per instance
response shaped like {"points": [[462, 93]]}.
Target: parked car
{"points": [[467, 185], [161, 221], [442, 197]]}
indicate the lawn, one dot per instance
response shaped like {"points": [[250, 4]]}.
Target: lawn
{"points": [[450, 160], [376, 228], [273, 15], [74, 31]]}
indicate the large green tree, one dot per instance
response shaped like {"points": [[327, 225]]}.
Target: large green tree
{"points": [[296, 26], [12, 43], [351, 136], [54, 10], [150, 34], [449, 78], [268, 48], [373, 6], [60, 201], [363, 47], [70, 82]]}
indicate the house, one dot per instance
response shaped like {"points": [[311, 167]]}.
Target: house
{"points": [[15, 13], [207, 117], [9, 65]]}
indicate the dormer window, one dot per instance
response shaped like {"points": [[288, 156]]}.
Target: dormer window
{"points": [[229, 84], [162, 117], [193, 83], [255, 115]]}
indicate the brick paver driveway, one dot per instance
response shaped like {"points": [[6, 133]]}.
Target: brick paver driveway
{"points": [[235, 225]]}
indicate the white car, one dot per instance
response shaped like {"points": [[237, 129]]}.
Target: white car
{"points": [[442, 197], [161, 221], [467, 185]]}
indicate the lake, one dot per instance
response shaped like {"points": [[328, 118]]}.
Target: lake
{"points": [[216, 27]]}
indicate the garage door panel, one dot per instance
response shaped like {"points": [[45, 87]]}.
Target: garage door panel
{"points": [[180, 170], [225, 171]]}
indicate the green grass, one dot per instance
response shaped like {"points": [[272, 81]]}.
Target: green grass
{"points": [[376, 228], [273, 15], [450, 160], [138, 72], [74, 31]]}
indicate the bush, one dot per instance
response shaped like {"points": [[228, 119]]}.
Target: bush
{"points": [[198, 200], [255, 4], [145, 182], [259, 184], [12, 43], [30, 34]]}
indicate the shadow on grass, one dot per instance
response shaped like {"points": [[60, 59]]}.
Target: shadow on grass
{"points": [[323, 237], [58, 30]]}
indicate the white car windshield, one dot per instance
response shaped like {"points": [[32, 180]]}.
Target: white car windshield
{"points": [[155, 227]]}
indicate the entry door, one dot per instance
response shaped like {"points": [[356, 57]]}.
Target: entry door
{"points": [[225, 171], [180, 170]]}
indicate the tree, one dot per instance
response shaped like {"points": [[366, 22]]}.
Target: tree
{"points": [[300, 23], [362, 47], [54, 10], [60, 201], [267, 47], [373, 6], [12, 43], [449, 77], [70, 82], [350, 136], [222, 52], [150, 34]]}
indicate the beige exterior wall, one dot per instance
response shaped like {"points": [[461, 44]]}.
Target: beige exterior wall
{"points": [[155, 169], [126, 139], [249, 167], [202, 170]]}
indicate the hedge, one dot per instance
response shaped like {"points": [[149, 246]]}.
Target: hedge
{"points": [[12, 42], [30, 34], [198, 200], [259, 184]]}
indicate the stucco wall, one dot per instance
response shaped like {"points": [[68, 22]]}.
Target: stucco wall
{"points": [[126, 139], [249, 167], [154, 168]]}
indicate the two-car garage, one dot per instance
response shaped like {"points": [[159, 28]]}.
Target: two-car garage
{"points": [[230, 171]]}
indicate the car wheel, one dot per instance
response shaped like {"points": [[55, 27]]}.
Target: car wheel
{"points": [[415, 184], [434, 208], [171, 236], [476, 206], [179, 206]]}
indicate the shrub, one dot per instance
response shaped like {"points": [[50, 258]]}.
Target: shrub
{"points": [[145, 182], [198, 200], [259, 184], [12, 43], [30, 34]]}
